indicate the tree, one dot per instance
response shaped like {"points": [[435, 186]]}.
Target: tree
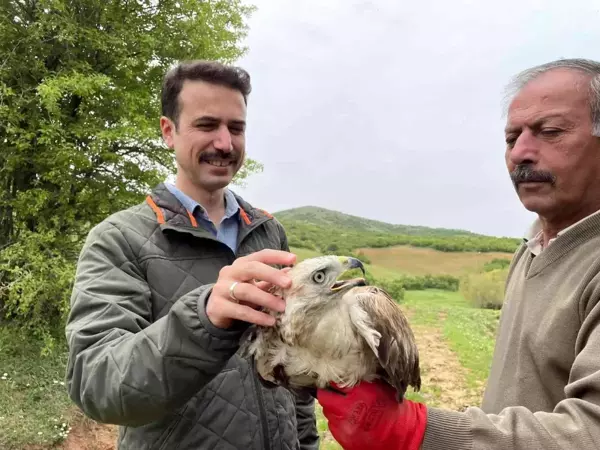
{"points": [[79, 107]]}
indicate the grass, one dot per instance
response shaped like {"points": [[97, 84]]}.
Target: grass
{"points": [[423, 261], [470, 332], [34, 406], [471, 335], [304, 253], [426, 306], [327, 441]]}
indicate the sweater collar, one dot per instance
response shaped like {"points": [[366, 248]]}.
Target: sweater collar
{"points": [[534, 236]]}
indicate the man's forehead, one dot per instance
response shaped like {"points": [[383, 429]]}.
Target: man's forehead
{"points": [[208, 99], [555, 94]]}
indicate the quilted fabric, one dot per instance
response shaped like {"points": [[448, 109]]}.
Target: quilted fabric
{"points": [[143, 354]]}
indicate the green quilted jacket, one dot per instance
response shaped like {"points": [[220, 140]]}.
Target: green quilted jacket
{"points": [[142, 352]]}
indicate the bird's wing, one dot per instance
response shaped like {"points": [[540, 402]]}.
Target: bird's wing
{"points": [[396, 350]]}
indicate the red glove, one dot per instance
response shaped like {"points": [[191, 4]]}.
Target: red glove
{"points": [[368, 416]]}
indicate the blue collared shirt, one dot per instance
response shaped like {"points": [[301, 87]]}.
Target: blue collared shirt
{"points": [[228, 228]]}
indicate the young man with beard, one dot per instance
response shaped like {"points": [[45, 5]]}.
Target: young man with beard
{"points": [[164, 290], [543, 391]]}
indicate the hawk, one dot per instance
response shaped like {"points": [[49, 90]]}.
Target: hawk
{"points": [[334, 330]]}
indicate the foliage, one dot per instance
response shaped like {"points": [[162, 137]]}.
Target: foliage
{"points": [[79, 108], [36, 274], [418, 283], [395, 288], [485, 289], [401, 283], [339, 240], [328, 218], [496, 263]]}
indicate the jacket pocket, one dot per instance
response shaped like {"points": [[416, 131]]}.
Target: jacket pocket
{"points": [[165, 437]]}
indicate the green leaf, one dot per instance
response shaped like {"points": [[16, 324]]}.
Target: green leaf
{"points": [[80, 85]]}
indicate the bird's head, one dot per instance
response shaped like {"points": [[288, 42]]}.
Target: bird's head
{"points": [[322, 279]]}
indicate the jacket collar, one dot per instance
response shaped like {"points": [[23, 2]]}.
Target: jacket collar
{"points": [[169, 210]]}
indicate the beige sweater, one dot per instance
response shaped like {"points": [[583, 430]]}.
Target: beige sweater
{"points": [[543, 391]]}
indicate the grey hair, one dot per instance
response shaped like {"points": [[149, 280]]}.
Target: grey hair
{"points": [[586, 66]]}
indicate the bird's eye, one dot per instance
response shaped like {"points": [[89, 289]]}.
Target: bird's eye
{"points": [[319, 277]]}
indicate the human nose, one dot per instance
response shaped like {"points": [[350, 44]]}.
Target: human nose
{"points": [[223, 139], [524, 150]]}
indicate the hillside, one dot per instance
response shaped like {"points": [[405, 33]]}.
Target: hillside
{"points": [[325, 217], [334, 232]]}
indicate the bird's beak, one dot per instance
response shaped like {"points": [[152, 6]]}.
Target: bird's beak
{"points": [[350, 263], [354, 263]]}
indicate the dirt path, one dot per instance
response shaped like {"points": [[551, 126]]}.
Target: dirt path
{"points": [[443, 378], [87, 434]]}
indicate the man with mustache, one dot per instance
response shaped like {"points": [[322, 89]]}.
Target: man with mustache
{"points": [[165, 289], [543, 391]]}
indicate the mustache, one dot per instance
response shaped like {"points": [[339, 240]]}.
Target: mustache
{"points": [[219, 155], [524, 173]]}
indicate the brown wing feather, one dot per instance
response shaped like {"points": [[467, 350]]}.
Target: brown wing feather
{"points": [[397, 351]]}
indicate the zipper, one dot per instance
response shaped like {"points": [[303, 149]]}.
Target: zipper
{"points": [[262, 414], [242, 235]]}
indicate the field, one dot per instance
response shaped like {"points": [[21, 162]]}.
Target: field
{"points": [[423, 261]]}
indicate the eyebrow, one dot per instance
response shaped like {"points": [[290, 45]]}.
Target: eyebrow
{"points": [[537, 122]]}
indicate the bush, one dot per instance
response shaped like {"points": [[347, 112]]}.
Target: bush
{"points": [[398, 286], [496, 263], [300, 243], [419, 283], [394, 288], [486, 289], [36, 276]]}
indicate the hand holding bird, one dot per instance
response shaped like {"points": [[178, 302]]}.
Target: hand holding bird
{"points": [[237, 295]]}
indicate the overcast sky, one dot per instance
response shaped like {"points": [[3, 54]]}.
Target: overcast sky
{"points": [[393, 110]]}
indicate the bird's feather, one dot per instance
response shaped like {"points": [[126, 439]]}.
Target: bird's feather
{"points": [[394, 346]]}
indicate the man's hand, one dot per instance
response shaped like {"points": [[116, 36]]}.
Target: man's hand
{"points": [[253, 275], [368, 416]]}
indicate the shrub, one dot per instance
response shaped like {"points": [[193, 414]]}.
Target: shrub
{"points": [[419, 283], [486, 289], [394, 288], [36, 276], [300, 243], [496, 263]]}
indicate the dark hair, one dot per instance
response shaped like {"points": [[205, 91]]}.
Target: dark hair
{"points": [[200, 70]]}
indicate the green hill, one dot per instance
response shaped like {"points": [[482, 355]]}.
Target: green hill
{"points": [[330, 231], [325, 217]]}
